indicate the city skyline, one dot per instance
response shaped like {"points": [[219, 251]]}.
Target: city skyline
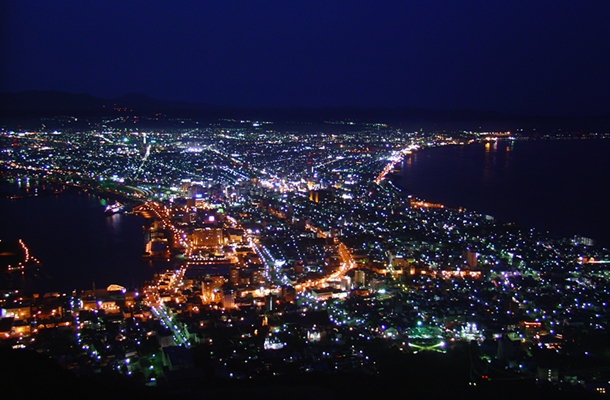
{"points": [[329, 199], [283, 255]]}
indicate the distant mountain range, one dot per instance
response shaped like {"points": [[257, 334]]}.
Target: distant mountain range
{"points": [[28, 105], [51, 103]]}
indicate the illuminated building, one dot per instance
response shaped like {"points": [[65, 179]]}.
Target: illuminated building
{"points": [[208, 237], [185, 184], [258, 277], [273, 343], [270, 302], [234, 275], [235, 235], [210, 289], [471, 258], [19, 312], [583, 240], [359, 278], [157, 247], [346, 283], [228, 299]]}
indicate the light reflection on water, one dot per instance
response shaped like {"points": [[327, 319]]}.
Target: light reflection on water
{"points": [[77, 244], [557, 185]]}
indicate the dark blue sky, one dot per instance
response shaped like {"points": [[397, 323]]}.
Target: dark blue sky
{"points": [[532, 57]]}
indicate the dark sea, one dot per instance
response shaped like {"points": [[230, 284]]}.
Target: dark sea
{"points": [[559, 186], [77, 244]]}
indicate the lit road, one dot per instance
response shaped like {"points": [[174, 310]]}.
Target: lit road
{"points": [[155, 302], [272, 267], [394, 159], [347, 263], [151, 208], [180, 337]]}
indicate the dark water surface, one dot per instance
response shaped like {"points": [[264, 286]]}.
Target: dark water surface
{"points": [[560, 186], [75, 242]]}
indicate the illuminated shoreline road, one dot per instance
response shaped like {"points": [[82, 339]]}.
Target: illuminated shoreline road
{"points": [[161, 214], [394, 159]]}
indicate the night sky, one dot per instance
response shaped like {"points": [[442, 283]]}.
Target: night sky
{"points": [[525, 57]]}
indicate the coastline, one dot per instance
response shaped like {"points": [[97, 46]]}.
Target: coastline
{"points": [[78, 244], [48, 187], [486, 180]]}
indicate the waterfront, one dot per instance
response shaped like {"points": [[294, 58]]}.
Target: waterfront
{"points": [[75, 242], [553, 185], [348, 270]]}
